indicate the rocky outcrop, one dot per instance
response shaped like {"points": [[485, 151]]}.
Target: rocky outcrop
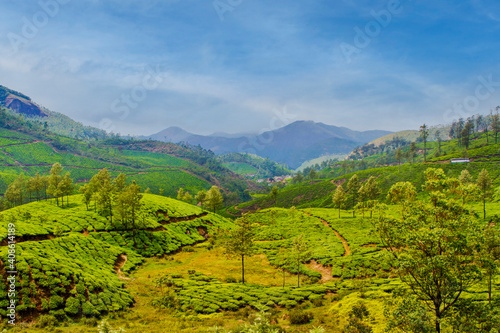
{"points": [[23, 106]]}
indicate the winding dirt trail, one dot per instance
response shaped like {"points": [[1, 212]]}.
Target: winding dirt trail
{"points": [[347, 249]]}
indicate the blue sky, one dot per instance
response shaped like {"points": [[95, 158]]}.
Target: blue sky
{"points": [[137, 67]]}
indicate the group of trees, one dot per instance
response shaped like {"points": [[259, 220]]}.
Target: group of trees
{"points": [[54, 184], [113, 197], [440, 249], [464, 130], [212, 199], [363, 196]]}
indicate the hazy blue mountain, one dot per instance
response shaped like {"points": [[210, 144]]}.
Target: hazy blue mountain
{"points": [[293, 144]]}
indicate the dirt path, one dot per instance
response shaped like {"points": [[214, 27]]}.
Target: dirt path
{"points": [[119, 263], [347, 249], [326, 272]]}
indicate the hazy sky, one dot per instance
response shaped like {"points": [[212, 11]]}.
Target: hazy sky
{"points": [[137, 67]]}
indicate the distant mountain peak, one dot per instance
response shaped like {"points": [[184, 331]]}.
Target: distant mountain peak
{"points": [[292, 144]]}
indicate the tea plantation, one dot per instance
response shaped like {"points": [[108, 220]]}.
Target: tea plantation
{"points": [[68, 258]]}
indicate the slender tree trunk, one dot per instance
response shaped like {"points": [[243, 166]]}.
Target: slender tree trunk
{"points": [[298, 275], [484, 207], [353, 210], [489, 287], [243, 269], [339, 212]]}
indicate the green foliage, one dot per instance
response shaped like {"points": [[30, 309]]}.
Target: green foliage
{"points": [[210, 297], [47, 321], [434, 246], [300, 317]]}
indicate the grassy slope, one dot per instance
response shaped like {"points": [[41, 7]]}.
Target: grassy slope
{"points": [[318, 193], [201, 276], [20, 153], [67, 257], [241, 168]]}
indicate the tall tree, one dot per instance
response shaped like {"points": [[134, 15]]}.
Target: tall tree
{"points": [[55, 179], [15, 191], [424, 134], [437, 136], [127, 207], [201, 196], [466, 132], [490, 255], [299, 253], [413, 151], [402, 193], [38, 184], [298, 178], [88, 193], [467, 189], [104, 191], [339, 198], [240, 242], [180, 194], [120, 182], [434, 250], [495, 124], [67, 187], [274, 194], [214, 199], [399, 157], [485, 185], [372, 190], [353, 187]]}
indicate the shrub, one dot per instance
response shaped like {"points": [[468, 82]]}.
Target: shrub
{"points": [[47, 321], [299, 317], [165, 302], [91, 322], [188, 249], [230, 279], [72, 306], [55, 302]]}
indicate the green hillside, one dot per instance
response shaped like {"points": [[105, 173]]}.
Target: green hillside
{"points": [[69, 260], [27, 147], [252, 166]]}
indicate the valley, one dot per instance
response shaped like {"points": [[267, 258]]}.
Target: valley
{"points": [[107, 233]]}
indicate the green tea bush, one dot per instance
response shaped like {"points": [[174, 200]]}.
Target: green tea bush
{"points": [[300, 317], [46, 321]]}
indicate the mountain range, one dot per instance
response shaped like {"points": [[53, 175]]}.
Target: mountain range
{"points": [[292, 144]]}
